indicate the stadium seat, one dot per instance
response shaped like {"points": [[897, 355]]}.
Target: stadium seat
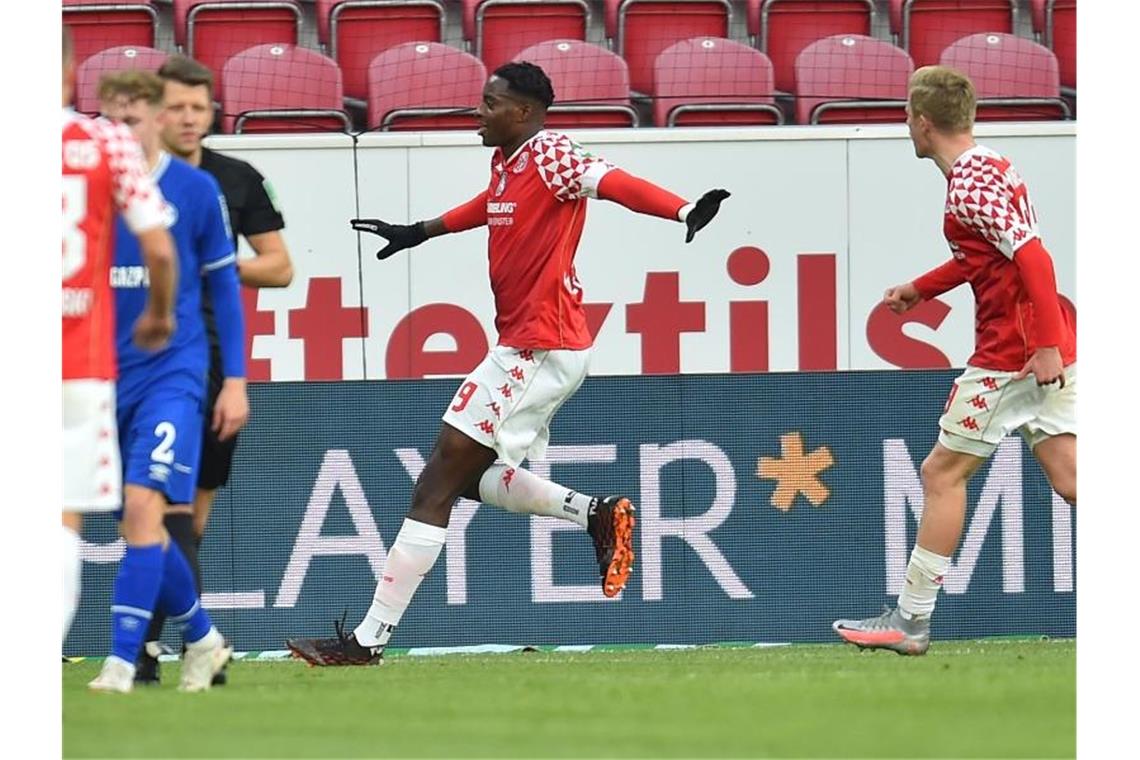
{"points": [[282, 88], [1015, 79], [116, 59], [354, 31], [708, 81], [782, 28], [101, 24], [210, 31], [640, 29], [591, 84], [851, 78], [498, 29], [1055, 21], [925, 28], [424, 85]]}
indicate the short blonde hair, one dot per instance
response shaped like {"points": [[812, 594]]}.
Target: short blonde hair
{"points": [[133, 84], [945, 96]]}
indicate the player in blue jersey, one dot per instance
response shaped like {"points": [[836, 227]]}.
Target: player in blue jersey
{"points": [[161, 396]]}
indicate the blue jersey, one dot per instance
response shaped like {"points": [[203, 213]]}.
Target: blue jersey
{"points": [[199, 223]]}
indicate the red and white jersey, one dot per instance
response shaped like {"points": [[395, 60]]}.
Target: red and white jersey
{"points": [[104, 171], [536, 209], [989, 217]]}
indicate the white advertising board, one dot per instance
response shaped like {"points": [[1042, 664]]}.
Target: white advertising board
{"points": [[787, 278]]}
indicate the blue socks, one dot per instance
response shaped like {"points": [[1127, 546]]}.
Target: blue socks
{"points": [[133, 599], [178, 596]]}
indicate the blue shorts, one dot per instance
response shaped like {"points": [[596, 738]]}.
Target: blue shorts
{"points": [[160, 437]]}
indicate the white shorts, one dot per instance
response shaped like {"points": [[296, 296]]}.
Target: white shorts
{"points": [[92, 475], [986, 406], [507, 402]]}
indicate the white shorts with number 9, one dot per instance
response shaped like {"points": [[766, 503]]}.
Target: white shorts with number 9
{"points": [[507, 402], [92, 475]]}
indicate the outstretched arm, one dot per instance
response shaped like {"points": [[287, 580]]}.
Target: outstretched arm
{"points": [[645, 197], [471, 214]]}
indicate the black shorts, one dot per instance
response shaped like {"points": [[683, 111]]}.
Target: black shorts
{"points": [[217, 456]]}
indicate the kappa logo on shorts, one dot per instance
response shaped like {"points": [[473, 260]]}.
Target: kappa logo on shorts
{"points": [[990, 383], [527, 355], [494, 407], [969, 423], [508, 476], [505, 390], [979, 403], [487, 427], [517, 373]]}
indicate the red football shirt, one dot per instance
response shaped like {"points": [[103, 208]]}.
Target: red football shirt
{"points": [[536, 209], [988, 218], [103, 171]]}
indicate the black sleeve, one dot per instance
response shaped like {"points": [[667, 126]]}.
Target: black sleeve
{"points": [[260, 214]]}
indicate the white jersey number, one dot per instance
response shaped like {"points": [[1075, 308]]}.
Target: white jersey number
{"points": [[74, 212]]}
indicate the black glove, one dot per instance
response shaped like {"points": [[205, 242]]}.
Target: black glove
{"points": [[703, 212], [399, 236]]}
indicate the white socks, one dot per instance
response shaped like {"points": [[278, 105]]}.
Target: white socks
{"points": [[923, 579], [518, 490], [412, 555], [72, 577], [212, 639]]}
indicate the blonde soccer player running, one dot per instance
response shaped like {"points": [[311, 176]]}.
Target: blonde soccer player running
{"points": [[1022, 375]]}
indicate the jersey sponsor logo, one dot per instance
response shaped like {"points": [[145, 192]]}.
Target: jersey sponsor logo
{"points": [[76, 301], [80, 154], [505, 207], [130, 277]]}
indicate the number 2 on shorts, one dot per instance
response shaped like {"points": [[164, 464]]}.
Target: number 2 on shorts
{"points": [[163, 451]]}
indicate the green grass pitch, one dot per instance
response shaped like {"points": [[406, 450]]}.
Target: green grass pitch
{"points": [[992, 698]]}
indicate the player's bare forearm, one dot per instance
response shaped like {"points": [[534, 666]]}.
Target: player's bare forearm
{"points": [[162, 268], [231, 411], [272, 267], [435, 227]]}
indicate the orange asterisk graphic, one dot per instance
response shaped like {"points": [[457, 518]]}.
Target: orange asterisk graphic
{"points": [[795, 472]]}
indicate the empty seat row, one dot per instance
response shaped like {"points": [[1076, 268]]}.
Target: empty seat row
{"points": [[354, 31], [701, 81]]}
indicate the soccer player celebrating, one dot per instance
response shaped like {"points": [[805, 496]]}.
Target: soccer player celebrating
{"points": [[535, 209], [1022, 375], [103, 171], [160, 399]]}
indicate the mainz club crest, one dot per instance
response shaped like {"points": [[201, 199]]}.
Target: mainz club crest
{"points": [[521, 164]]}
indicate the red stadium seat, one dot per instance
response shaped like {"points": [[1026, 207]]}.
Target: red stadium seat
{"points": [[709, 81], [851, 78], [210, 31], [641, 29], [101, 24], [354, 31], [782, 28], [499, 29], [1015, 79], [424, 85], [591, 84], [282, 88], [116, 59], [1056, 23], [927, 27]]}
